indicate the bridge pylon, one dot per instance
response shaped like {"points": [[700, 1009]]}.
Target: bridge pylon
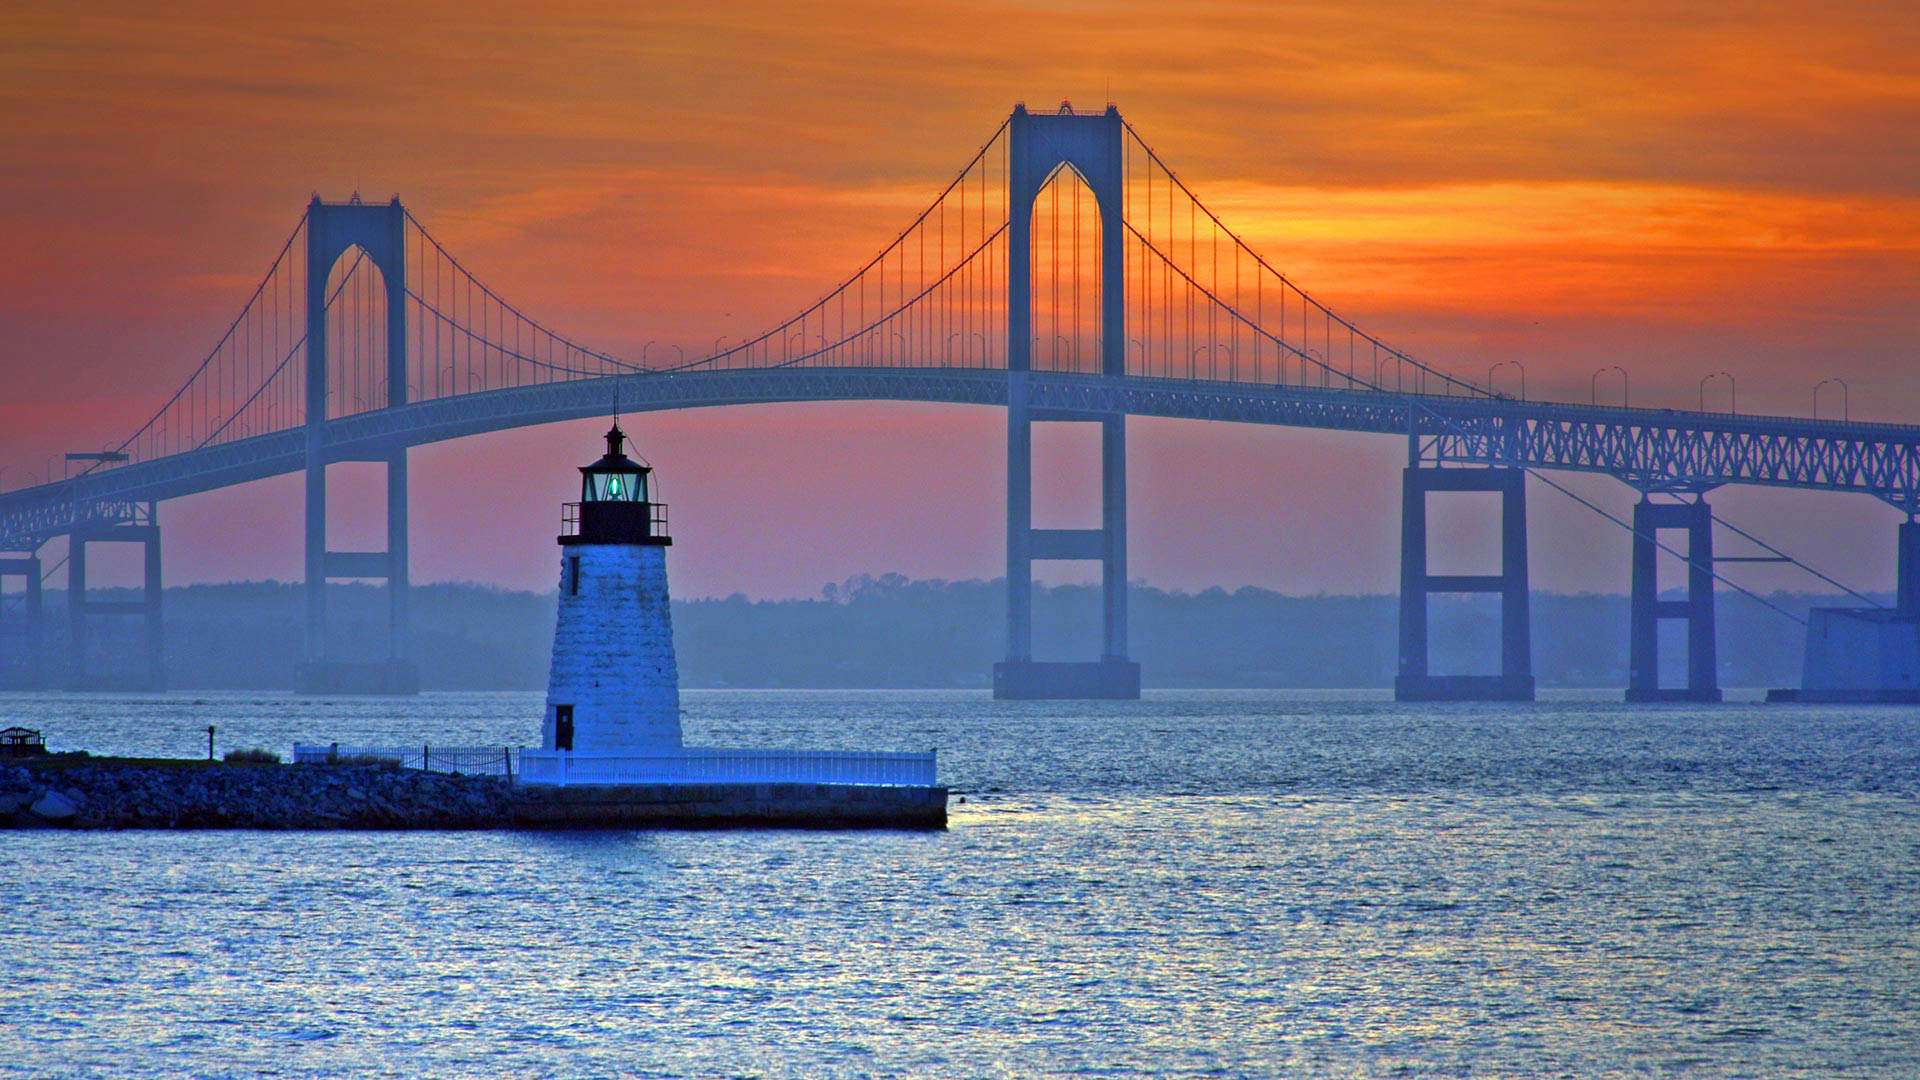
{"points": [[82, 672], [22, 625], [333, 229], [1091, 145], [1415, 681], [1647, 610]]}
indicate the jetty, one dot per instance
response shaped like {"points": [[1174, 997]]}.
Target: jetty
{"points": [[80, 791]]}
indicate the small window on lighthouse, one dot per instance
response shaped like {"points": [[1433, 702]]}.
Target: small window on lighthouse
{"points": [[573, 575]]}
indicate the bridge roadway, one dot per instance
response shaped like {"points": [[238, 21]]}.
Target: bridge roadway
{"points": [[1652, 449]]}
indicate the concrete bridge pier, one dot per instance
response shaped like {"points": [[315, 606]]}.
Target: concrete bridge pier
{"points": [[22, 661], [1020, 676], [83, 673], [319, 672], [1907, 569], [1648, 610], [1415, 681], [1861, 655]]}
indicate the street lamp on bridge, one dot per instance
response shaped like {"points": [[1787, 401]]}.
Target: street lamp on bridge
{"points": [[1593, 384], [1732, 390], [1845, 411], [1517, 365]]}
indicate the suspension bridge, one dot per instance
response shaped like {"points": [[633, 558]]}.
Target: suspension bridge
{"points": [[1068, 275]]}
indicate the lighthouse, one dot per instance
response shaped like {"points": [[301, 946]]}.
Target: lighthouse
{"points": [[613, 688], [610, 751]]}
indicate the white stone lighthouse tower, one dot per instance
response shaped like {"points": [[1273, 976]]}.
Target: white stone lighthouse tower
{"points": [[614, 687]]}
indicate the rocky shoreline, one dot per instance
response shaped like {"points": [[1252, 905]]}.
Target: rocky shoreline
{"points": [[105, 794], [78, 792]]}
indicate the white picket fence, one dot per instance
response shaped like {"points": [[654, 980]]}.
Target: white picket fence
{"points": [[688, 766], [727, 765]]}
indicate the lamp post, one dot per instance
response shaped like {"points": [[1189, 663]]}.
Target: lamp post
{"points": [[1732, 391], [643, 352], [1522, 368], [1593, 384], [1845, 410]]}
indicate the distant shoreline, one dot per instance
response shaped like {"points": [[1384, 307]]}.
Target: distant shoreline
{"points": [[893, 633]]}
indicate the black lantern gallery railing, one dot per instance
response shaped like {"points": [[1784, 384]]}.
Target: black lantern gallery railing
{"points": [[613, 522]]}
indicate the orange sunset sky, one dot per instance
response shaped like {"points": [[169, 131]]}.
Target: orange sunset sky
{"points": [[1676, 188]]}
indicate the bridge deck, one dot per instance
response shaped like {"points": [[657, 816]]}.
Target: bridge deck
{"points": [[1651, 448]]}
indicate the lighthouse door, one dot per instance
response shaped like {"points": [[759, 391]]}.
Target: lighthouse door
{"points": [[563, 727]]}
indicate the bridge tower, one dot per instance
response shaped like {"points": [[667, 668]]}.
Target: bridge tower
{"points": [[333, 229], [1090, 145], [1415, 681]]}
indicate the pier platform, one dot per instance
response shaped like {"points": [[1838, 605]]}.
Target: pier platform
{"points": [[730, 806]]}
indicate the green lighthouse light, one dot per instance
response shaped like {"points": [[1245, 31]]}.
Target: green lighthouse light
{"points": [[615, 477]]}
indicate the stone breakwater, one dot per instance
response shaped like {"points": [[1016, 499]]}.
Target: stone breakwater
{"points": [[195, 795], [106, 794]]}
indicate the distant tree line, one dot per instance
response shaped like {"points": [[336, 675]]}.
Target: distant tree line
{"points": [[889, 631]]}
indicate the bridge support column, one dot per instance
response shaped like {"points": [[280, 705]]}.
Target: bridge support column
{"points": [[1860, 656], [149, 673], [1515, 681], [22, 663], [319, 673], [1907, 570], [1643, 641], [1020, 676], [380, 232]]}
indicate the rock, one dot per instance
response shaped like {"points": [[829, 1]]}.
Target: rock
{"points": [[9, 806], [54, 806]]}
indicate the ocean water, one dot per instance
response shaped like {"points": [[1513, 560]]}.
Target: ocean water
{"points": [[1198, 884]]}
